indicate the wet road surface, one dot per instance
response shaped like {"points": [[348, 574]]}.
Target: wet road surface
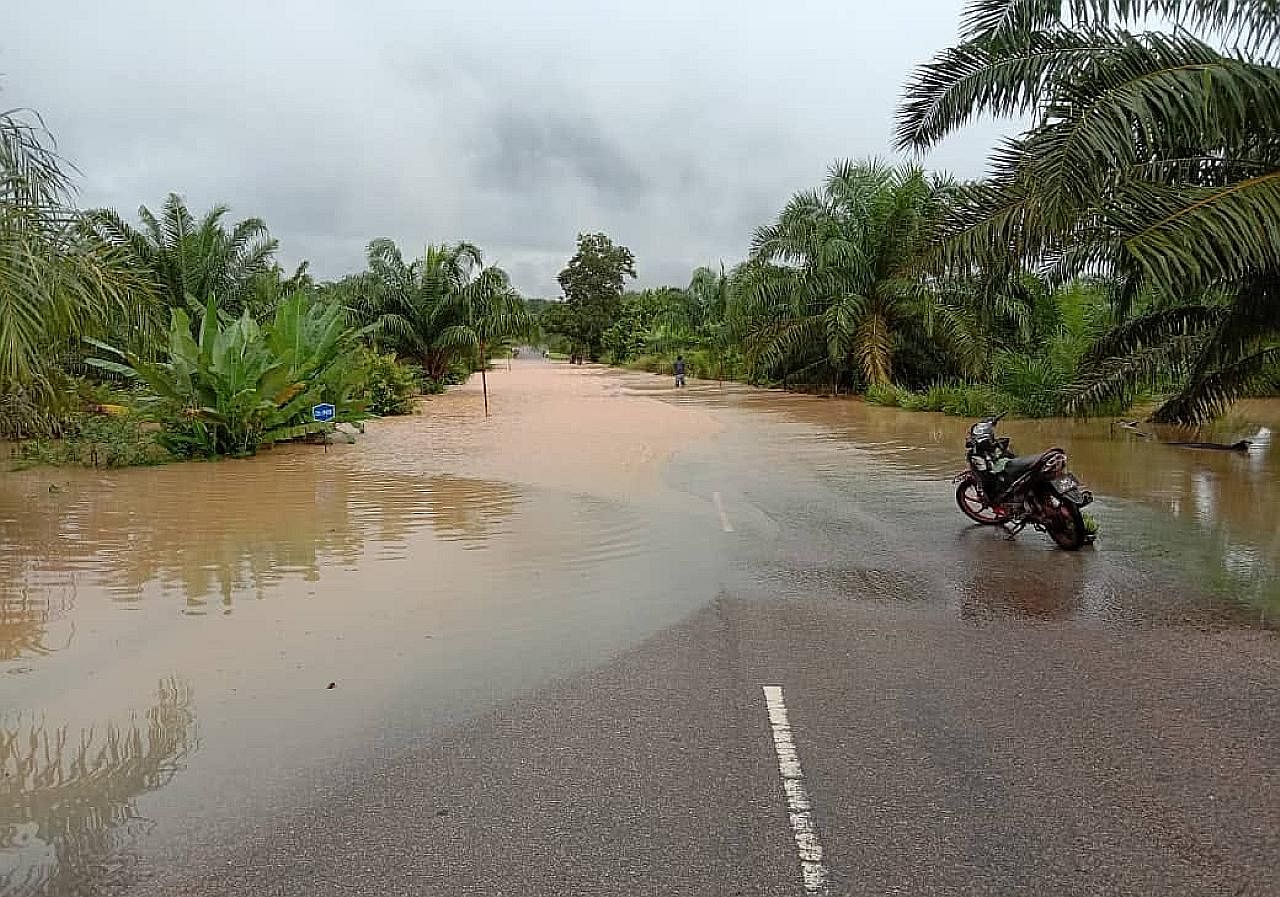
{"points": [[548, 635]]}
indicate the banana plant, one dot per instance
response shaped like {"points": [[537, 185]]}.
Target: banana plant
{"points": [[240, 385]]}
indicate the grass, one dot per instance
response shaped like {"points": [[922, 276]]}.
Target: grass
{"points": [[953, 397], [96, 440]]}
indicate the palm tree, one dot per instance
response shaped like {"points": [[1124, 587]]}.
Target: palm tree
{"points": [[697, 316], [439, 308], [1153, 158], [57, 281], [272, 286], [190, 258], [488, 312], [832, 284], [406, 304]]}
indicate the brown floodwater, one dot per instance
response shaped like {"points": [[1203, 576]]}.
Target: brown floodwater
{"points": [[188, 647], [1204, 522]]}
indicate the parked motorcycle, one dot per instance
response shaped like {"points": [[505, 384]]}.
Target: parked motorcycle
{"points": [[1002, 489]]}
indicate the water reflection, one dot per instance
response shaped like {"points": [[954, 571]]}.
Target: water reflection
{"points": [[469, 511], [67, 803], [26, 620], [207, 533], [1226, 522]]}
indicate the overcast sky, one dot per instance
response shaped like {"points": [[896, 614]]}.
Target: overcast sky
{"points": [[676, 128]]}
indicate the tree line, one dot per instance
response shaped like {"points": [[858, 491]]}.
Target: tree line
{"points": [[194, 341], [1123, 250]]}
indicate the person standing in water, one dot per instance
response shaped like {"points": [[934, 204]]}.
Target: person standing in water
{"points": [[680, 370]]}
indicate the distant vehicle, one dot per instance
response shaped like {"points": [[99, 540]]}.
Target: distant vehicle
{"points": [[1001, 489]]}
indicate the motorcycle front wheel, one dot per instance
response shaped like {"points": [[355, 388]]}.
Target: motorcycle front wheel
{"points": [[1066, 527], [974, 505]]}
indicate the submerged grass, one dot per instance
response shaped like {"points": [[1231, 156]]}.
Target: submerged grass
{"points": [[99, 441], [951, 397]]}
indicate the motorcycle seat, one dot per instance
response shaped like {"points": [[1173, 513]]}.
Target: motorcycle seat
{"points": [[1016, 467]]}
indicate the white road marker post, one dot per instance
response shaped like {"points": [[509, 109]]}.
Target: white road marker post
{"points": [[799, 807]]}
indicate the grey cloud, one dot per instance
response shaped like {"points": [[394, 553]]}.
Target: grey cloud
{"points": [[675, 128], [531, 150]]}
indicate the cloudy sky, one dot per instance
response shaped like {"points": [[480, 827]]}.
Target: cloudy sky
{"points": [[676, 128]]}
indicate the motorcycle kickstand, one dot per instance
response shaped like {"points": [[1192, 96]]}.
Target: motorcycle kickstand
{"points": [[1012, 529]]}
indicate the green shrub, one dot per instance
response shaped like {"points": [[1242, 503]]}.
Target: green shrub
{"points": [[887, 394], [956, 398], [1034, 383], [23, 414], [652, 363], [236, 385], [458, 372], [389, 386], [700, 364], [98, 440]]}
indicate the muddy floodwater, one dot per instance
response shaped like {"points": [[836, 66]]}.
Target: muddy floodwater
{"points": [[187, 648]]}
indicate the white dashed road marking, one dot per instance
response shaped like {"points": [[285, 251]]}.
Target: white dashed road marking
{"points": [[724, 518], [799, 807]]}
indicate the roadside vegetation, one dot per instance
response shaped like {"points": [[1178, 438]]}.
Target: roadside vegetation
{"points": [[1124, 251], [181, 336]]}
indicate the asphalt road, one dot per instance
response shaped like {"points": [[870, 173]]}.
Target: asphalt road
{"points": [[972, 716], [1024, 758]]}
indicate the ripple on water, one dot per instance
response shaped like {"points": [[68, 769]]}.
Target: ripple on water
{"points": [[197, 530], [179, 533]]}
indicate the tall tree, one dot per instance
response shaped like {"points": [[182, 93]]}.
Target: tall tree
{"points": [[833, 286], [488, 312], [273, 286], [644, 322], [447, 305], [1153, 158], [194, 258], [704, 315], [58, 282], [593, 284]]}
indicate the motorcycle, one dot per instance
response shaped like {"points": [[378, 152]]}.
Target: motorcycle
{"points": [[1002, 489]]}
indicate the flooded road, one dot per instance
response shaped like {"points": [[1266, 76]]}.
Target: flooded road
{"points": [[1188, 535], [197, 654]]}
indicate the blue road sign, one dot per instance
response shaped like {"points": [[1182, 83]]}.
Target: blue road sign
{"points": [[323, 412]]}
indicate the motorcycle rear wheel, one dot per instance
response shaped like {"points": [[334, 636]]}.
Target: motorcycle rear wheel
{"points": [[1067, 527], [974, 505]]}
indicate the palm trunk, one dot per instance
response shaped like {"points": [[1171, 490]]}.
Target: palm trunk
{"points": [[484, 382]]}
